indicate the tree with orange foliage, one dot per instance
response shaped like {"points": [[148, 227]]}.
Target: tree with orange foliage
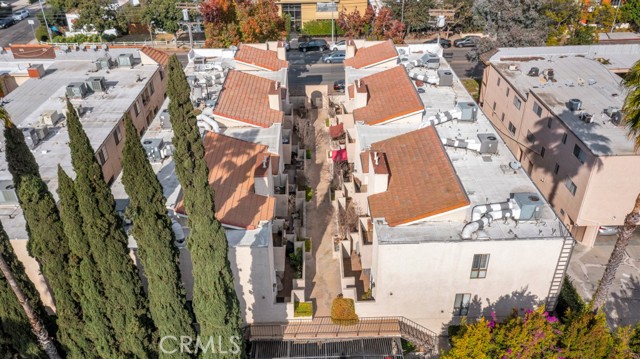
{"points": [[381, 26], [386, 27], [354, 24], [260, 21]]}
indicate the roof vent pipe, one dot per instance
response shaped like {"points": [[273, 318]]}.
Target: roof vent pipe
{"points": [[375, 158], [264, 162], [472, 227]]}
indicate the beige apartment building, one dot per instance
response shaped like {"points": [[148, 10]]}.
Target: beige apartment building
{"points": [[558, 111], [302, 11]]}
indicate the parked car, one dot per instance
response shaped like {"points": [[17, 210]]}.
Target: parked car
{"points": [[6, 22], [467, 41], [334, 57], [608, 230], [20, 14], [339, 45], [4, 4], [445, 43], [338, 85], [320, 45]]}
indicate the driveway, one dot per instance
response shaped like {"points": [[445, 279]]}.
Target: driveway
{"points": [[586, 269]]}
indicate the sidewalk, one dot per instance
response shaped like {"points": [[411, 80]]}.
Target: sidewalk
{"points": [[323, 271]]}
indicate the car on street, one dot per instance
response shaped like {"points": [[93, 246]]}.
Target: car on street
{"points": [[445, 43], [4, 4], [20, 14], [334, 57], [338, 85], [6, 22], [316, 44], [608, 230], [339, 45], [467, 41]]}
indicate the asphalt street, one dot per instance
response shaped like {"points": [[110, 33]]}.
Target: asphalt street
{"points": [[308, 69], [21, 32], [460, 65]]}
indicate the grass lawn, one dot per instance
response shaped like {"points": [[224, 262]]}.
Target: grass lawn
{"points": [[473, 87], [302, 309]]}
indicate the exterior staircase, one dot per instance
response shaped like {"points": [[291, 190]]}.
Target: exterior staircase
{"points": [[558, 275], [418, 335]]}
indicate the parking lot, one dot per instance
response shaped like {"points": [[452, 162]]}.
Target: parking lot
{"points": [[308, 69]]}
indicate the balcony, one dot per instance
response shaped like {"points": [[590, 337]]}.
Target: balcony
{"points": [[353, 268]]}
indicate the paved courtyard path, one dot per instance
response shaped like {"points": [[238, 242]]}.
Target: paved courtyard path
{"points": [[323, 271]]}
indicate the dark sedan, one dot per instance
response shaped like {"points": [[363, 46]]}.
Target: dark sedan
{"points": [[320, 45], [445, 43], [467, 41], [6, 22]]}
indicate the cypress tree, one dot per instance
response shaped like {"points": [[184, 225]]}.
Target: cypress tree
{"points": [[154, 235], [215, 301], [47, 242], [83, 274], [17, 334], [126, 304]]}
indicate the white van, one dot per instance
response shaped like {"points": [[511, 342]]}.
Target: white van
{"points": [[20, 14]]}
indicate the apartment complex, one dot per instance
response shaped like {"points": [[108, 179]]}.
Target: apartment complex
{"points": [[558, 111], [447, 224], [302, 11], [103, 84]]}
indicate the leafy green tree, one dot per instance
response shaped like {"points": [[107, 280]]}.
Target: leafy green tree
{"points": [[562, 15], [127, 307], [586, 336], [583, 35], [156, 240], [164, 14], [98, 15], [18, 336], [83, 273], [215, 301], [603, 16], [47, 242], [415, 12], [630, 12], [473, 341]]}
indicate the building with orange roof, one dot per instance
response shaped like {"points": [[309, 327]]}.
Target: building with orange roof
{"points": [[361, 54]]}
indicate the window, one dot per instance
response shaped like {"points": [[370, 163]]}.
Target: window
{"points": [[461, 304], [531, 137], [579, 153], [512, 128], [152, 89], [502, 117], [549, 122], [136, 108], [556, 169], [294, 11], [571, 186], [494, 105], [542, 151], [508, 91], [103, 156], [479, 266], [516, 102], [498, 84], [117, 134], [564, 138], [161, 75], [537, 109], [326, 7]]}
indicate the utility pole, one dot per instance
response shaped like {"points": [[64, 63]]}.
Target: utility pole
{"points": [[333, 4], [151, 31], [615, 16], [186, 6], [44, 17]]}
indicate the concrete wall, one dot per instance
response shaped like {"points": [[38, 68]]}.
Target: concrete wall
{"points": [[420, 281], [32, 268]]}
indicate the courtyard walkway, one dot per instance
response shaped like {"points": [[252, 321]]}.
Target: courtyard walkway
{"points": [[323, 271]]}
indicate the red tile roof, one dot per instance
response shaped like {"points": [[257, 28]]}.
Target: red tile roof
{"points": [[245, 98], [369, 56], [391, 95], [232, 166], [156, 55], [422, 181], [336, 131], [265, 59]]}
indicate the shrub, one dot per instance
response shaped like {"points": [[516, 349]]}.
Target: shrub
{"points": [[42, 34], [407, 347], [308, 154], [307, 245], [320, 27], [455, 330], [569, 299], [295, 259], [327, 122], [366, 295], [343, 311], [308, 193], [302, 309]]}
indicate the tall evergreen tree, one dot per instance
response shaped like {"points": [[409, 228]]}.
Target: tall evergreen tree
{"points": [[127, 306], [156, 241], [47, 242], [215, 302], [83, 273], [18, 337]]}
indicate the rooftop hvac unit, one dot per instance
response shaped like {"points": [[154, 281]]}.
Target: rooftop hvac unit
{"points": [[50, 118], [125, 60], [77, 90], [616, 118], [586, 117], [165, 119], [514, 67], [609, 111], [96, 83], [574, 104], [488, 143], [469, 111], [8, 193], [549, 75], [534, 72], [104, 63], [530, 205], [446, 78], [42, 132], [430, 61], [30, 137], [154, 149]]}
